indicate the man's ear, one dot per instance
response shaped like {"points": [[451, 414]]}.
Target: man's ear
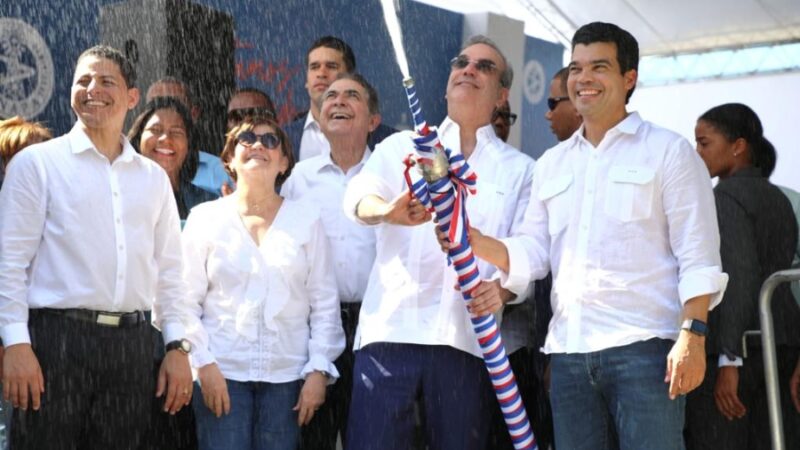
{"points": [[503, 97], [374, 121], [133, 98], [630, 78]]}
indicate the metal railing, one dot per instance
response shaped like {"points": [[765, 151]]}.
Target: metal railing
{"points": [[770, 359]]}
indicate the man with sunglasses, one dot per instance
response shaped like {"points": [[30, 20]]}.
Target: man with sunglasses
{"points": [[327, 57], [414, 335], [502, 120], [561, 113], [247, 103]]}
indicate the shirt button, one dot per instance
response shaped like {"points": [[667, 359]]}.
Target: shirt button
{"points": [[116, 194]]}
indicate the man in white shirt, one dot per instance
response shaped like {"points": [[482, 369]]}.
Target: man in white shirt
{"points": [[414, 335], [327, 57], [349, 112], [89, 238], [623, 215]]}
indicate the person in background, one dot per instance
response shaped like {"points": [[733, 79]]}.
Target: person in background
{"points": [[564, 118], [502, 120], [326, 58], [758, 236], [210, 174], [265, 319], [163, 132], [247, 103]]}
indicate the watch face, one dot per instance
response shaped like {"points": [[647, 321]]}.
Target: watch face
{"points": [[186, 346]]}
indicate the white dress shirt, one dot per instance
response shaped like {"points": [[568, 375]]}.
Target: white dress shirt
{"points": [[410, 296], [79, 232], [313, 142], [629, 230], [322, 182], [262, 313]]}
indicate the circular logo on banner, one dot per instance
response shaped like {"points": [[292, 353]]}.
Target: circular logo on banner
{"points": [[534, 81], [26, 70]]}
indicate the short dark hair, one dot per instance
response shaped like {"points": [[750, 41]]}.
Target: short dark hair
{"points": [[189, 167], [110, 53], [257, 91], [738, 121], [231, 140], [561, 76], [627, 46], [372, 101], [337, 44]]}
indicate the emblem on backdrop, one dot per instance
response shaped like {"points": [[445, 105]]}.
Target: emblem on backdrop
{"points": [[534, 81], [26, 70]]}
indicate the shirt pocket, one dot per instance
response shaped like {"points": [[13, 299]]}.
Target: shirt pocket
{"points": [[629, 194], [555, 194], [485, 209]]}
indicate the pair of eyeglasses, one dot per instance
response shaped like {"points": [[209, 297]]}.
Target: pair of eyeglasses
{"points": [[486, 66], [552, 102], [268, 140], [239, 115], [508, 116]]}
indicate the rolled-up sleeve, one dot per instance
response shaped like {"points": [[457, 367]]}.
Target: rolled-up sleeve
{"points": [[692, 221]]}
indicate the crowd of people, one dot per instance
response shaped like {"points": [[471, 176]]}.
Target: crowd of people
{"points": [[290, 293]]}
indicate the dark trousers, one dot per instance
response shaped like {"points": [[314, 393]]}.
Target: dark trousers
{"points": [[98, 386], [331, 418], [456, 398], [528, 366], [707, 428]]}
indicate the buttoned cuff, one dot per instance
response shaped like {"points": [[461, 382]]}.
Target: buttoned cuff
{"points": [[200, 357], [15, 333], [519, 273], [705, 281], [319, 363], [724, 361], [172, 331]]}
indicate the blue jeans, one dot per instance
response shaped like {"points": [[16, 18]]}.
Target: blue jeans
{"points": [[616, 399], [261, 417]]}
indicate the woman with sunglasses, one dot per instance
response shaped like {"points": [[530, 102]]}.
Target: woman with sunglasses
{"points": [[266, 328], [163, 133], [758, 236]]}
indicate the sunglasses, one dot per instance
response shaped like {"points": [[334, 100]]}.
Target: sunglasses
{"points": [[508, 116], [268, 140], [486, 66], [239, 115], [552, 102]]}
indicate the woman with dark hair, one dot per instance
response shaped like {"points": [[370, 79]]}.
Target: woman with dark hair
{"points": [[163, 133], [267, 325], [758, 235]]}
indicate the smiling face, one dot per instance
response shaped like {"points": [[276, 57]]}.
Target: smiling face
{"points": [[100, 97], [255, 158], [476, 92], [596, 86], [165, 141], [345, 110], [324, 65]]}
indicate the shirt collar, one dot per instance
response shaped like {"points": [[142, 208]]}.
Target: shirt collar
{"points": [[79, 142], [310, 122], [325, 161], [628, 125], [483, 135]]}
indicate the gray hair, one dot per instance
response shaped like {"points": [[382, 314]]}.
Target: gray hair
{"points": [[507, 77]]}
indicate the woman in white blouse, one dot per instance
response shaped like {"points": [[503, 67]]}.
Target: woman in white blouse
{"points": [[266, 327]]}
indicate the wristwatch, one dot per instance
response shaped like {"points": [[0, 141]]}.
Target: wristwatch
{"points": [[695, 326], [181, 345]]}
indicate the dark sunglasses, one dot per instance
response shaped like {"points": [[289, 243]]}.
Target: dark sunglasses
{"points": [[268, 140], [486, 66], [239, 115], [508, 116], [552, 102]]}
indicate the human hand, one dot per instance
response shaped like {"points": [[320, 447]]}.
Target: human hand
{"points": [[406, 210], [22, 377], [175, 380], [686, 364], [312, 396], [726, 393], [794, 386], [214, 389], [488, 298]]}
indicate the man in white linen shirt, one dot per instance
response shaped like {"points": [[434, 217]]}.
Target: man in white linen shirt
{"points": [[89, 238], [623, 214], [414, 335], [349, 112]]}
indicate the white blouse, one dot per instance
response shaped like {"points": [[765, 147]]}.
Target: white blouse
{"points": [[262, 313]]}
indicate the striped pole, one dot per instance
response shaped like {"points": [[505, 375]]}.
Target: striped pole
{"points": [[446, 182]]}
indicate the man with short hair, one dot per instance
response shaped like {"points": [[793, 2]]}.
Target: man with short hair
{"points": [[247, 103], [561, 113], [211, 175], [502, 120], [414, 335], [623, 214], [89, 243], [349, 112], [326, 58]]}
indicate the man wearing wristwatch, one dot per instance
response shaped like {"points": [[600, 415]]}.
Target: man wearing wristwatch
{"points": [[89, 237]]}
